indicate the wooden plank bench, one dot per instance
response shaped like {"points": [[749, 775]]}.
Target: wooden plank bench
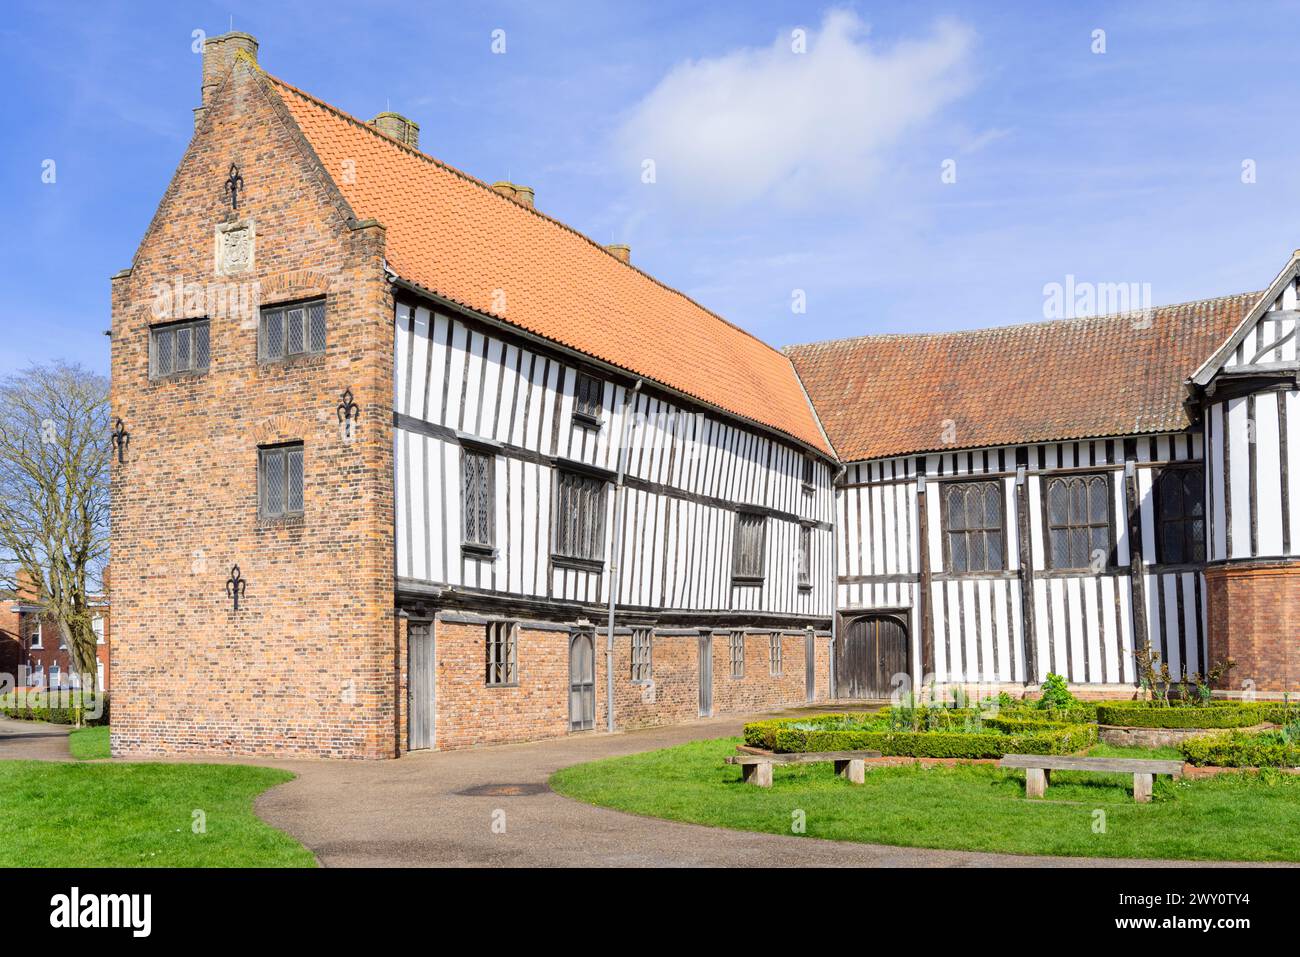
{"points": [[756, 768], [1039, 767]]}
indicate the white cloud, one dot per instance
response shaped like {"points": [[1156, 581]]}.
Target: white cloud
{"points": [[772, 124]]}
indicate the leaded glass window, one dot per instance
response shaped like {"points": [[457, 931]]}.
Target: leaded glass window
{"points": [[974, 526], [476, 497], [280, 481], [1078, 521], [1180, 509]]}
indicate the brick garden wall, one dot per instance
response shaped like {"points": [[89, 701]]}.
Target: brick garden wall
{"points": [[307, 665]]}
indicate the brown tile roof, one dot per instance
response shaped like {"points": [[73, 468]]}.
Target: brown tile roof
{"points": [[1065, 379], [454, 236]]}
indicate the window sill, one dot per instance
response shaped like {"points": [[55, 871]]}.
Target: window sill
{"points": [[586, 421], [305, 359], [189, 375], [806, 588], [642, 681], [809, 488], [487, 553], [281, 521], [745, 581], [581, 564], [509, 684]]}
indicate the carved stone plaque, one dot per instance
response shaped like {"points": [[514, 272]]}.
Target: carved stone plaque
{"points": [[235, 247]]}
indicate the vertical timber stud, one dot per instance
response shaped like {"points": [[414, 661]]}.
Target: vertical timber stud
{"points": [[837, 482], [1136, 578], [1024, 547], [615, 570], [923, 567]]}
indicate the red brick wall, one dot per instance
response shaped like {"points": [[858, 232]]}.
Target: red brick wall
{"points": [[470, 713], [307, 664], [11, 645], [1254, 619]]}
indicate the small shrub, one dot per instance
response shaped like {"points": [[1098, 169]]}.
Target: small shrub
{"points": [[1078, 712], [1055, 694]]}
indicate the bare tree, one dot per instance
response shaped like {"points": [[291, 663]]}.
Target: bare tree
{"points": [[54, 483]]}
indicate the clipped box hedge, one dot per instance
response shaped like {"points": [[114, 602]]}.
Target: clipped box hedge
{"points": [[798, 736], [1014, 723], [1142, 714], [1080, 712], [1241, 749]]}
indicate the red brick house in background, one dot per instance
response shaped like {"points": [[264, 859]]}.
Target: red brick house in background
{"points": [[45, 662], [11, 643], [33, 653]]}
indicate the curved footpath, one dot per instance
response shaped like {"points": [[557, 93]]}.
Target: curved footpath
{"points": [[421, 811], [33, 741]]}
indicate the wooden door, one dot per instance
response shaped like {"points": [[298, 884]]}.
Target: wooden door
{"points": [[419, 686], [869, 651], [582, 682], [706, 676]]}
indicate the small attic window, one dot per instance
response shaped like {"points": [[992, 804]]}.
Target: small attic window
{"points": [[807, 473], [588, 400]]}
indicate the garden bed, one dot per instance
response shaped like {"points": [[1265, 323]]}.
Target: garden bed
{"points": [[974, 739], [1143, 737], [1154, 714], [1243, 749]]}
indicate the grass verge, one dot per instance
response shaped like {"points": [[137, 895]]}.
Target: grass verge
{"points": [[89, 744], [1250, 817], [59, 814]]}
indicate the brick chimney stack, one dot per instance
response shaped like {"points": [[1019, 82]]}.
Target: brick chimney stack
{"points": [[399, 127], [622, 254], [218, 57], [523, 195]]}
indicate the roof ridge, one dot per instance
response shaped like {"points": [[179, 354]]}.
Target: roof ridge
{"points": [[468, 177], [1168, 307]]}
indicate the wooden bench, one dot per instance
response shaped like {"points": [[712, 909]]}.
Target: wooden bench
{"points": [[756, 768], [1039, 767]]}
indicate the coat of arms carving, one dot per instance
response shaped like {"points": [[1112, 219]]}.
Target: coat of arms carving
{"points": [[235, 248]]}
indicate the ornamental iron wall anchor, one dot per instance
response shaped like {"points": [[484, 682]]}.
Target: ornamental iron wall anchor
{"points": [[348, 413], [235, 585], [234, 183], [121, 439]]}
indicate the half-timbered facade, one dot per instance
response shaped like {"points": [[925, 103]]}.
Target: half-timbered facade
{"points": [[971, 553], [407, 463]]}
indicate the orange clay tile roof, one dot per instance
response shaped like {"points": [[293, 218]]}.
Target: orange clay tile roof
{"points": [[454, 236], [889, 395]]}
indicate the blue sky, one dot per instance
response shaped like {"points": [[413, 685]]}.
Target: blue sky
{"points": [[775, 171]]}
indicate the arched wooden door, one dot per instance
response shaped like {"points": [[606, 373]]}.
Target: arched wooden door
{"points": [[869, 651]]}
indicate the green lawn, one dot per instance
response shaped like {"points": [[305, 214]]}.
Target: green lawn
{"points": [[969, 807], [56, 814], [88, 744]]}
